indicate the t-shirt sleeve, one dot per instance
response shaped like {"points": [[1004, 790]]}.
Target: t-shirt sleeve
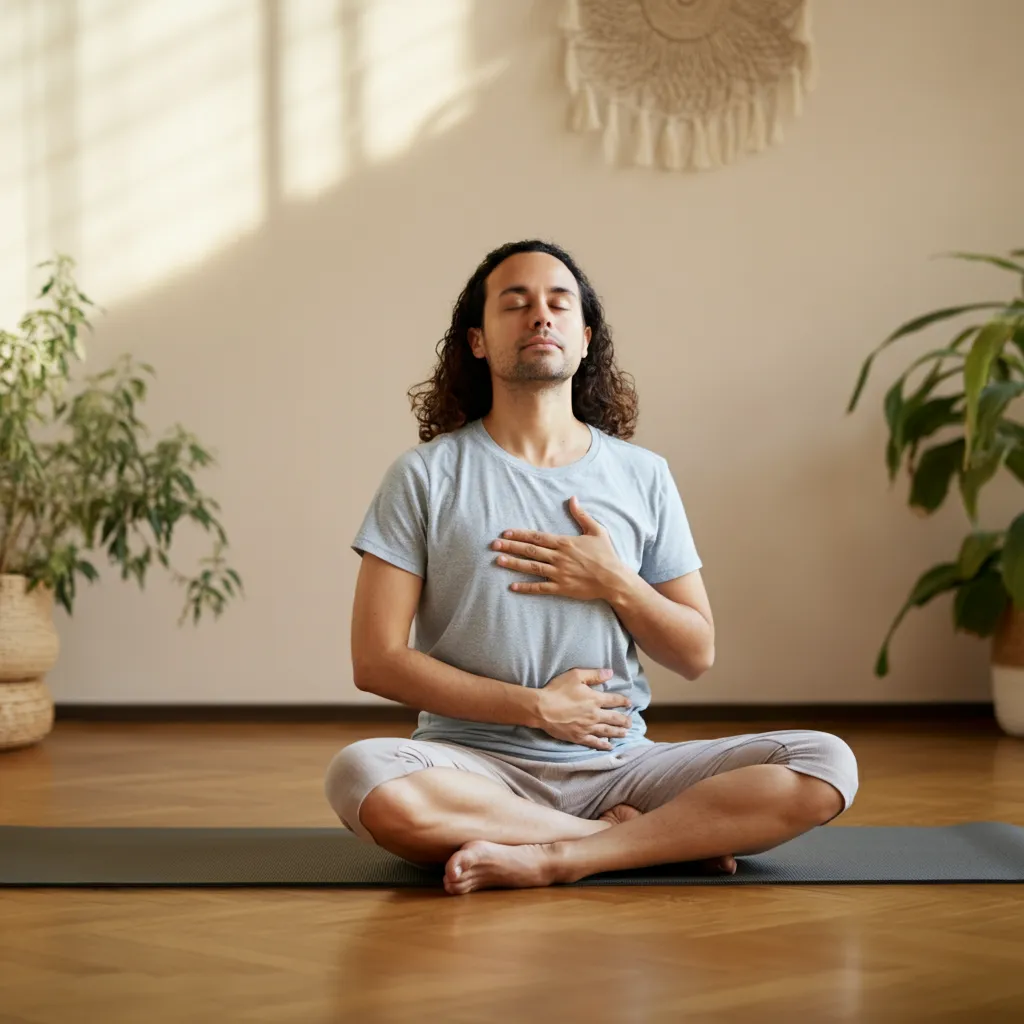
{"points": [[395, 525], [671, 552]]}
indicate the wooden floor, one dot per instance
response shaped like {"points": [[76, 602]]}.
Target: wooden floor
{"points": [[717, 953]]}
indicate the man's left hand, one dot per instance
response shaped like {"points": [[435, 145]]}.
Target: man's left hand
{"points": [[584, 567]]}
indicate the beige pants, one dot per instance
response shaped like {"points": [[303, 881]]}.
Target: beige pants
{"points": [[644, 776]]}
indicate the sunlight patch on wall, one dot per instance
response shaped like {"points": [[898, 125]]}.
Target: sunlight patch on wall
{"points": [[142, 136], [312, 96], [416, 70], [15, 287], [168, 115]]}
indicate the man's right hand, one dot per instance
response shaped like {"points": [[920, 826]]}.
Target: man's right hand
{"points": [[571, 710]]}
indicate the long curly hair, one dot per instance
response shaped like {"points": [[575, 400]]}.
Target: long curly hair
{"points": [[459, 390]]}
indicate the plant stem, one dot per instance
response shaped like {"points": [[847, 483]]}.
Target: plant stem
{"points": [[11, 540]]}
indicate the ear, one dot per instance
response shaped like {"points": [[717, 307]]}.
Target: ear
{"points": [[586, 338], [476, 342]]}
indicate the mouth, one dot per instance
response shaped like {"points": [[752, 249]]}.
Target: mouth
{"points": [[541, 344]]}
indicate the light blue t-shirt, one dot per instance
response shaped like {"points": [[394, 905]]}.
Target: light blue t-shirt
{"points": [[437, 511]]}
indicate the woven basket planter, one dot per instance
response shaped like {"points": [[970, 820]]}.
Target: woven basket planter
{"points": [[28, 650], [1008, 672]]}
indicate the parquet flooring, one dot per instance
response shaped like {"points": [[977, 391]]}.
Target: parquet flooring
{"points": [[758, 954]]}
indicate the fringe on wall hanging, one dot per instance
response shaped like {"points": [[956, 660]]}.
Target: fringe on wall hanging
{"points": [[686, 84]]}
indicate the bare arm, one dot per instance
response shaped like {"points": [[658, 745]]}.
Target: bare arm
{"points": [[383, 663], [671, 621]]}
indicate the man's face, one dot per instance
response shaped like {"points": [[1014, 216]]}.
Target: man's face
{"points": [[533, 326]]}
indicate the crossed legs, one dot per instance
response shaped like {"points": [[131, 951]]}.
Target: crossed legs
{"points": [[489, 837]]}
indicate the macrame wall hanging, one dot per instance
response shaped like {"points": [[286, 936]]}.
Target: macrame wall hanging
{"points": [[686, 84]]}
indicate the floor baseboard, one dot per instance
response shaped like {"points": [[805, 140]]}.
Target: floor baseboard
{"points": [[373, 713]]}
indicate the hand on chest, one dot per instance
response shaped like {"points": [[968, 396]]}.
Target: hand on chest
{"points": [[547, 542]]}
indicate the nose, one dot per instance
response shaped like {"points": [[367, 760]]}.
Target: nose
{"points": [[542, 315]]}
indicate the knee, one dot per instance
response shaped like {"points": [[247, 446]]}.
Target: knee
{"points": [[368, 787], [395, 807], [840, 777], [352, 773]]}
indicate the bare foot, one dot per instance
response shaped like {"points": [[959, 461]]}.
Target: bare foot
{"points": [[484, 865], [725, 865]]}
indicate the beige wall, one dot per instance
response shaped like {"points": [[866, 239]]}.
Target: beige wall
{"points": [[288, 258]]}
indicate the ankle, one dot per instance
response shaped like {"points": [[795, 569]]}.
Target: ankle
{"points": [[563, 866]]}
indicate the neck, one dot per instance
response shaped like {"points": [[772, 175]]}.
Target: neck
{"points": [[538, 426]]}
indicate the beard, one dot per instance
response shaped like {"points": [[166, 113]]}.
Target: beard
{"points": [[553, 367]]}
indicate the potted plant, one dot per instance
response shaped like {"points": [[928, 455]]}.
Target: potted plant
{"points": [[955, 421], [77, 477]]}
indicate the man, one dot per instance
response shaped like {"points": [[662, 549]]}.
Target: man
{"points": [[535, 547]]}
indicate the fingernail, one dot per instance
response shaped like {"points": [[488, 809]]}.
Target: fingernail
{"points": [[458, 871]]}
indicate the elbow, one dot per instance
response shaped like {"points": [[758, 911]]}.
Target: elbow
{"points": [[364, 672], [370, 671], [702, 663]]}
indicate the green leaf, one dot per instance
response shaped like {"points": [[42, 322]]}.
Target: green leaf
{"points": [[991, 404], [1015, 462], [996, 261], [930, 584], [979, 604], [917, 324], [975, 550], [88, 570], [983, 467], [987, 345], [931, 416], [1018, 338], [902, 414], [1013, 561], [935, 469]]}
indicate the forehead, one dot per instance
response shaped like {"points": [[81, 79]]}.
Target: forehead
{"points": [[535, 270]]}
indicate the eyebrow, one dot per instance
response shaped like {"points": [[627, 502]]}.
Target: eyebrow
{"points": [[521, 289]]}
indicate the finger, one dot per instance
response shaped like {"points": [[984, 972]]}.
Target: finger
{"points": [[535, 588], [523, 565], [599, 676], [545, 540], [609, 730], [585, 519], [597, 742], [617, 720], [517, 547], [616, 700]]}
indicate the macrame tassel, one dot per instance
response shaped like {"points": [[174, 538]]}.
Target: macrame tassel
{"points": [[643, 155], [802, 35], [571, 16], [796, 92], [572, 68], [611, 132], [699, 156], [670, 147], [775, 137], [758, 131], [741, 127], [585, 114], [714, 139], [727, 135]]}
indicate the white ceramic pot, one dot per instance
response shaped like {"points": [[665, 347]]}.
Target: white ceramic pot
{"points": [[1008, 672]]}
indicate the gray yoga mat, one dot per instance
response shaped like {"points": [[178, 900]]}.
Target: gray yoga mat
{"points": [[30, 856]]}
